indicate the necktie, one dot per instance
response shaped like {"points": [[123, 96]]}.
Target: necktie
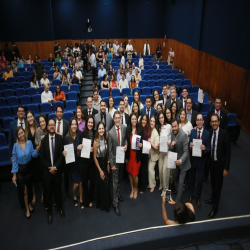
{"points": [[58, 127], [103, 120], [213, 146], [148, 113], [199, 134], [122, 119], [119, 140], [89, 112], [146, 49], [185, 104], [21, 123], [52, 148]]}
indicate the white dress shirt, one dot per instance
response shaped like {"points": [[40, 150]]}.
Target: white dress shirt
{"points": [[78, 74], [92, 60], [216, 143], [201, 132], [129, 47], [123, 84], [44, 81], [116, 47], [46, 96], [19, 123]]}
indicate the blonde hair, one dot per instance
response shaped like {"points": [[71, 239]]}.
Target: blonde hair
{"points": [[17, 140], [179, 118], [27, 125]]}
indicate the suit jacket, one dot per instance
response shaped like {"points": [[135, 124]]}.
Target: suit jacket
{"points": [[152, 112], [223, 148], [138, 152], [181, 148], [199, 162], [144, 49], [45, 154], [109, 121], [12, 136], [113, 142], [223, 119], [65, 127], [127, 119], [193, 117], [154, 139], [179, 104], [85, 112]]}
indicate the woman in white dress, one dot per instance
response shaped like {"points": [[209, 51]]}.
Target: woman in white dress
{"points": [[185, 124], [127, 109], [171, 57]]}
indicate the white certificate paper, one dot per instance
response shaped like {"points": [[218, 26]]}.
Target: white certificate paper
{"points": [[197, 148], [172, 157], [70, 154], [146, 146], [200, 96], [135, 140], [120, 154], [159, 102], [164, 144], [85, 153]]}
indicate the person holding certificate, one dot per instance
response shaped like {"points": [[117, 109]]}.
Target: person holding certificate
{"points": [[154, 156], [164, 131], [133, 156], [101, 158], [198, 162], [185, 124], [87, 165], [72, 137], [116, 140]]}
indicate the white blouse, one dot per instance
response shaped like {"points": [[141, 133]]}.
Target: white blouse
{"points": [[187, 128]]}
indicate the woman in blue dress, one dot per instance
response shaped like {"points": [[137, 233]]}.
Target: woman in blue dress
{"points": [[73, 137], [21, 168]]}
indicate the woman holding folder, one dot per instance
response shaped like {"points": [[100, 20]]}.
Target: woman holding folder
{"points": [[72, 137], [133, 156]]}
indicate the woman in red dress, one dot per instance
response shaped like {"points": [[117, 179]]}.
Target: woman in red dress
{"points": [[133, 156]]}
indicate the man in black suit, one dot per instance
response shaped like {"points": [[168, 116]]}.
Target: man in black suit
{"points": [[217, 110], [165, 95], [62, 128], [191, 113], [185, 95], [51, 160], [89, 110], [173, 98], [220, 161], [125, 120]]}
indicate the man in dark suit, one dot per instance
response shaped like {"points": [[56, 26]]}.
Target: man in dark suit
{"points": [[89, 110], [191, 113], [217, 110], [62, 128], [148, 110], [117, 137], [51, 160], [165, 95], [220, 161], [125, 119], [20, 122], [198, 163], [103, 116], [173, 98]]}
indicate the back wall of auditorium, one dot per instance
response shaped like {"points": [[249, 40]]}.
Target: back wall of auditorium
{"points": [[210, 38]]}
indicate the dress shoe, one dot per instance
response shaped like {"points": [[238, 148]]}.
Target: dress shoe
{"points": [[68, 194], [49, 218], [198, 202], [117, 211], [212, 213], [120, 198], [190, 199], [209, 201], [62, 213]]}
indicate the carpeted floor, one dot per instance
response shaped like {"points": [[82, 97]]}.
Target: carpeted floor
{"points": [[16, 232]]}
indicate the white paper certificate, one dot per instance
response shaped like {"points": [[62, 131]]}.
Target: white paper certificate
{"points": [[70, 154], [197, 148], [85, 153], [172, 157], [200, 96], [146, 146], [120, 154], [159, 102], [163, 144], [135, 140]]}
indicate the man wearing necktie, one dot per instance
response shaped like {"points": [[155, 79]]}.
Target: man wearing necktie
{"points": [[89, 110], [124, 117], [148, 110], [198, 163], [220, 161], [116, 137], [20, 122], [52, 163], [146, 49]]}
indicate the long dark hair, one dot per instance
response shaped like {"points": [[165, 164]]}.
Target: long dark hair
{"points": [[86, 123], [154, 101], [129, 128], [147, 128], [111, 97], [172, 104], [96, 133], [70, 134], [58, 93], [138, 108], [180, 212], [158, 121]]}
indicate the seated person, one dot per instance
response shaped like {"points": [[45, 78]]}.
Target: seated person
{"points": [[65, 81], [44, 80], [105, 82], [74, 79], [129, 75], [79, 63], [29, 60], [64, 66], [59, 95], [134, 68], [19, 63], [78, 74], [34, 82], [123, 83], [7, 73], [101, 71], [58, 58], [57, 74], [46, 96], [183, 212]]}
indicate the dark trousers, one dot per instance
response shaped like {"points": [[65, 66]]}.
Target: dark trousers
{"points": [[116, 178], [196, 175], [94, 71], [87, 171], [216, 172], [66, 177], [53, 186]]}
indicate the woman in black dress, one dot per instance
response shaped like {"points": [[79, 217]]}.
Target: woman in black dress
{"points": [[30, 134], [73, 137], [158, 51], [87, 165], [101, 158]]}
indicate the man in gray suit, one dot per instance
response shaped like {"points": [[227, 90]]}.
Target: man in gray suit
{"points": [[103, 116], [172, 99], [179, 144], [116, 137]]}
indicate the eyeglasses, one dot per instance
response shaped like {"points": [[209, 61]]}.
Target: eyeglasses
{"points": [[214, 121]]}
